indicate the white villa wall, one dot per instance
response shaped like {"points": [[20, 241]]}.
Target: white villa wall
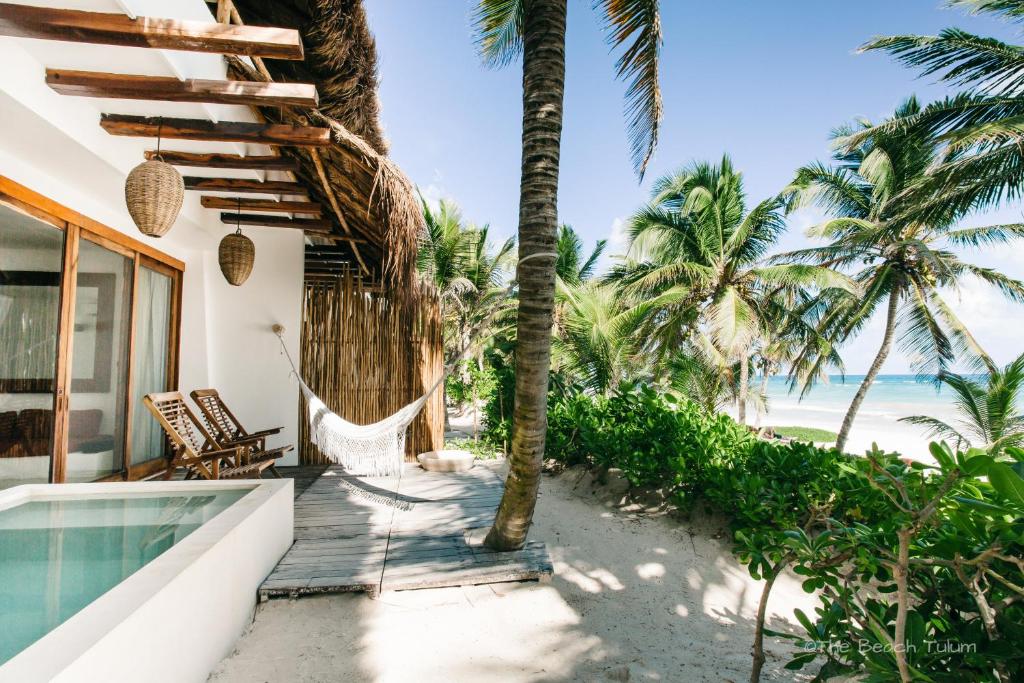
{"points": [[54, 145]]}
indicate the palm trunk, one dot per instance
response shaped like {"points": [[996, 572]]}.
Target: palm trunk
{"points": [[744, 381], [543, 92], [876, 366]]}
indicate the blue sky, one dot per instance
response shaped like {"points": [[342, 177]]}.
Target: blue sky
{"points": [[764, 82]]}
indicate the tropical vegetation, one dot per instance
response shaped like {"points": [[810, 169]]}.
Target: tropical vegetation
{"points": [[916, 566], [535, 30], [988, 408], [901, 251], [697, 259]]}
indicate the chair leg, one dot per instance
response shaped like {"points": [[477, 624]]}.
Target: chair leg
{"points": [[273, 470]]}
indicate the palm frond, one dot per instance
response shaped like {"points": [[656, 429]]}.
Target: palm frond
{"points": [[499, 29], [638, 21], [959, 57], [985, 236], [1010, 9]]}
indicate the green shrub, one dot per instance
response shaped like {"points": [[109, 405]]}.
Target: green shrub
{"points": [[812, 434], [481, 449], [918, 569]]}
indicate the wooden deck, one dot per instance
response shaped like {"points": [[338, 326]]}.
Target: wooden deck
{"points": [[420, 530]]}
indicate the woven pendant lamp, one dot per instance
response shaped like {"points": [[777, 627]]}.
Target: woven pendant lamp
{"points": [[153, 192], [236, 255]]}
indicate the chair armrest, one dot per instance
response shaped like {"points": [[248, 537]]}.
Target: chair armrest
{"points": [[264, 432], [218, 454]]}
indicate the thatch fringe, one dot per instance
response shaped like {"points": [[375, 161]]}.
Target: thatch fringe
{"points": [[345, 55], [379, 200]]}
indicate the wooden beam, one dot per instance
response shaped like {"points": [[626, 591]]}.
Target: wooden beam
{"points": [[24, 21], [329, 191], [171, 89], [223, 131], [237, 203], [347, 238], [243, 185], [307, 224], [213, 160]]}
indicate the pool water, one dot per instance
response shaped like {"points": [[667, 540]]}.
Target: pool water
{"points": [[58, 555]]}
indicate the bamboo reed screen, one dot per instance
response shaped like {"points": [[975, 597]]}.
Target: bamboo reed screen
{"points": [[366, 356]]}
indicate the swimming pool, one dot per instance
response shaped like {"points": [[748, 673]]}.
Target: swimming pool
{"points": [[103, 581]]}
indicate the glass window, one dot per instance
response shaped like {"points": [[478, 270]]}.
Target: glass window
{"points": [[31, 256], [99, 363]]}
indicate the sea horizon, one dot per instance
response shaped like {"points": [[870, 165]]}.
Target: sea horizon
{"points": [[891, 397]]}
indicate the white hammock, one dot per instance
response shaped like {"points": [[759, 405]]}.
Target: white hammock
{"points": [[373, 450]]}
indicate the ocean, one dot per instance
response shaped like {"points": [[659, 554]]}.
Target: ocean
{"points": [[889, 398]]}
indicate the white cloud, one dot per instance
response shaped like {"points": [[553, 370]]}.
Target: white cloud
{"points": [[618, 241], [990, 317], [435, 190]]}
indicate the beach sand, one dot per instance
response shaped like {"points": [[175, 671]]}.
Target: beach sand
{"points": [[634, 597], [890, 435]]}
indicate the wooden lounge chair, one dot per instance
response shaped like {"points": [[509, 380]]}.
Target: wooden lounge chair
{"points": [[228, 431], [195, 448]]}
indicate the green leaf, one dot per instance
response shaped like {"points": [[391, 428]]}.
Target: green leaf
{"points": [[800, 660], [942, 454], [915, 632], [1007, 482], [982, 505], [805, 622]]}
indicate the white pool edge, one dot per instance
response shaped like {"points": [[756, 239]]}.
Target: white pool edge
{"points": [[177, 617]]}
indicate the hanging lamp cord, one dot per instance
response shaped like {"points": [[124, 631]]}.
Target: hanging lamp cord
{"points": [[159, 131]]}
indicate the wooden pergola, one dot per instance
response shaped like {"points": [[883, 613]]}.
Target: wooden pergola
{"points": [[371, 337], [333, 174]]}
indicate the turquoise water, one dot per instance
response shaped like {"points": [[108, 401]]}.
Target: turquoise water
{"points": [[890, 396], [57, 556]]}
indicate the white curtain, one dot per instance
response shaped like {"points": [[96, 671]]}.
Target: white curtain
{"points": [[149, 369]]}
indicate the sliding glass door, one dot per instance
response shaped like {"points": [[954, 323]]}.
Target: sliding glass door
{"points": [[99, 363], [88, 326], [31, 254]]}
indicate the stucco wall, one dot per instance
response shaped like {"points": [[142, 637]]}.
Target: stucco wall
{"points": [[55, 146]]}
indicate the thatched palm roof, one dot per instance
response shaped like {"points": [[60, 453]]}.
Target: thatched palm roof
{"points": [[375, 200]]}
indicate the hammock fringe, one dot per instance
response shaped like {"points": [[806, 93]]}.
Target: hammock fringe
{"points": [[374, 450]]}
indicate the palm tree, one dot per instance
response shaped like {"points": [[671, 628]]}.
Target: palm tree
{"points": [[899, 246], [696, 255], [989, 410], [596, 344], [980, 128], [469, 274], [536, 29], [571, 268]]}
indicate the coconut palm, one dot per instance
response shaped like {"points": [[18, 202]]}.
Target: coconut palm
{"points": [[790, 318], [710, 386], [571, 268], [696, 255], [981, 127], [899, 247], [596, 344], [536, 30], [469, 273], [989, 409]]}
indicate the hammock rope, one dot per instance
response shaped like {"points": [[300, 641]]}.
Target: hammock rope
{"points": [[377, 449]]}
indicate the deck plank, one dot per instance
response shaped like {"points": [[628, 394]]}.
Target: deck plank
{"points": [[347, 540]]}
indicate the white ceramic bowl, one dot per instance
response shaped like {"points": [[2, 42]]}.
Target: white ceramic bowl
{"points": [[446, 461]]}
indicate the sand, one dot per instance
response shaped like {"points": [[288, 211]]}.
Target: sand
{"points": [[634, 597]]}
